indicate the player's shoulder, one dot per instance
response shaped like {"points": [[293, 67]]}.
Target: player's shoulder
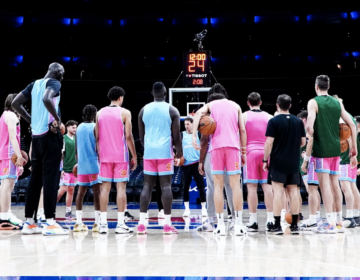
{"points": [[10, 115]]}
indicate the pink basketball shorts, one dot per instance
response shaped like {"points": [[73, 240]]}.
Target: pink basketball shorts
{"points": [[69, 180], [327, 165], [347, 173], [312, 178], [253, 170], [8, 170], [225, 158], [88, 180], [114, 172], [159, 167]]}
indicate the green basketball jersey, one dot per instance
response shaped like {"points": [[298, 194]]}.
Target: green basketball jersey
{"points": [[69, 157], [345, 158], [326, 127]]}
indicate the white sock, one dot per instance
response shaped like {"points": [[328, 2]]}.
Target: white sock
{"points": [[68, 209], [238, 217], [270, 217], [142, 218], [121, 218], [203, 205], [318, 216], [312, 219], [356, 213], [349, 213], [40, 211], [78, 216], [97, 217], [253, 218], [103, 218], [168, 220], [330, 219], [161, 212], [338, 217], [220, 218], [50, 222], [30, 221], [187, 206], [4, 216], [283, 213], [126, 210]]}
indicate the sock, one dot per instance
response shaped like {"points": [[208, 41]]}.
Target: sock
{"points": [[312, 219], [294, 220], [50, 222], [168, 219], [238, 217], [277, 221], [253, 218], [78, 216], [97, 217], [186, 204], [126, 210], [356, 213], [121, 218], [4, 216], [103, 218], [30, 221], [329, 218], [203, 205], [283, 213], [270, 217], [142, 218], [40, 211], [339, 217], [220, 217], [68, 209], [318, 217], [350, 214]]}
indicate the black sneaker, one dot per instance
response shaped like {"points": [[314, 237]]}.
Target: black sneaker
{"points": [[301, 217], [253, 228], [352, 222], [294, 230], [357, 221], [306, 227], [128, 215], [276, 230], [269, 226]]}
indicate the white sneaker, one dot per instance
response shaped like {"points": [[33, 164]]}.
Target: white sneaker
{"points": [[104, 228], [80, 227], [204, 212], [240, 230], [55, 229], [161, 214], [14, 220], [41, 218], [123, 229], [30, 229], [186, 213], [220, 231]]}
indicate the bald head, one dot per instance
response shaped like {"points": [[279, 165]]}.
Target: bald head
{"points": [[56, 71]]}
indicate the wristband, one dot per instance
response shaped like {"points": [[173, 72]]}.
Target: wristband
{"points": [[306, 158], [243, 148], [265, 160]]}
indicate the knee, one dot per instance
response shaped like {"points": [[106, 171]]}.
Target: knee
{"points": [[70, 190]]}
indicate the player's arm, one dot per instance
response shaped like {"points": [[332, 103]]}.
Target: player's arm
{"points": [[11, 121], [200, 113], [97, 132], [347, 119], [267, 151], [130, 139], [304, 166], [141, 126], [243, 138], [175, 131], [312, 110], [76, 149], [18, 105], [303, 142], [204, 143], [49, 105]]}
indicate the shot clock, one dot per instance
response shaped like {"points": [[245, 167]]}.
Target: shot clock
{"points": [[197, 69]]}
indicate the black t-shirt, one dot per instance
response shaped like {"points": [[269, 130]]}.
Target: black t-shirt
{"points": [[53, 84], [287, 131]]}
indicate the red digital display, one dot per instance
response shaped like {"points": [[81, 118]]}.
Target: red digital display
{"points": [[197, 69]]}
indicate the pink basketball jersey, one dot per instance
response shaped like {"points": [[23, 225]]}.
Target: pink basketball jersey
{"points": [[256, 124], [112, 140], [226, 115], [6, 148]]}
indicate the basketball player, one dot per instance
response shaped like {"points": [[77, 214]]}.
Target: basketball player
{"points": [[354, 185], [47, 143], [191, 168], [69, 161], [225, 153], [88, 167], [324, 113], [9, 172], [159, 130], [285, 136], [115, 138], [255, 122]]}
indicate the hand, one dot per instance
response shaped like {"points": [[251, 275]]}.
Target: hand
{"points": [[21, 171], [20, 161], [243, 160], [195, 143], [133, 164], [304, 167], [303, 154], [201, 169], [62, 175], [353, 162], [54, 127], [266, 166], [353, 152], [176, 161]]}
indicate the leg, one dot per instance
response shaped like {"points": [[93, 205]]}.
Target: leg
{"points": [[61, 192], [327, 195], [218, 195], [158, 194], [210, 188], [186, 178], [236, 191], [145, 196], [278, 190], [199, 179], [268, 197], [80, 197], [314, 199], [121, 196], [69, 196], [338, 198], [5, 197], [229, 195], [349, 198], [300, 200], [293, 193], [41, 202], [252, 199], [104, 195], [96, 191], [166, 193]]}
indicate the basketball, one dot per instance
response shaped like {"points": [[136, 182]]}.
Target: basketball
{"points": [[75, 169], [288, 218], [24, 155], [207, 125], [62, 129], [345, 131], [344, 145]]}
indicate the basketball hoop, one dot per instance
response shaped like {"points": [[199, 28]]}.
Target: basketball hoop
{"points": [[192, 115]]}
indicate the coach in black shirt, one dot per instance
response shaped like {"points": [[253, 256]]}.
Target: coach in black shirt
{"points": [[285, 135]]}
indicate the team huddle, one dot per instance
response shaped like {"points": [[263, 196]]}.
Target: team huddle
{"points": [[267, 148]]}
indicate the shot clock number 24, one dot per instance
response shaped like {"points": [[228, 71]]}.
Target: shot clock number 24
{"points": [[196, 69]]}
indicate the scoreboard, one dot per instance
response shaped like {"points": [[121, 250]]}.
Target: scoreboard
{"points": [[197, 69]]}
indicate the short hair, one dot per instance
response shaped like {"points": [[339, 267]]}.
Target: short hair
{"points": [[158, 87], [303, 115], [190, 119], [71, 123], [357, 118], [254, 99], [284, 102], [323, 82], [89, 113], [115, 93], [216, 92], [8, 101]]}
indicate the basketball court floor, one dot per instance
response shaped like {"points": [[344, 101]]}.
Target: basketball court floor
{"points": [[189, 254]]}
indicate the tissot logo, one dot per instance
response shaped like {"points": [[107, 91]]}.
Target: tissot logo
{"points": [[197, 75]]}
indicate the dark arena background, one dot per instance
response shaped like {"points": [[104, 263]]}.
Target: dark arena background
{"points": [[269, 48]]}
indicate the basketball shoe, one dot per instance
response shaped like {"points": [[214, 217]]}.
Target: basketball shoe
{"points": [[122, 229], [55, 229], [169, 230], [141, 229], [80, 227], [31, 229]]}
